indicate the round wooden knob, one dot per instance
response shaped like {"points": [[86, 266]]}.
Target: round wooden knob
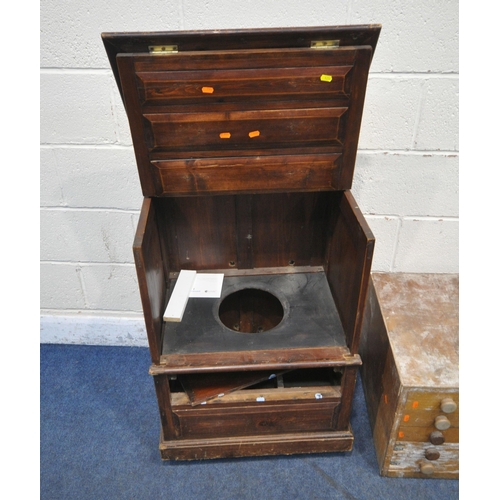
{"points": [[441, 423], [448, 405], [432, 454], [426, 468], [436, 438]]}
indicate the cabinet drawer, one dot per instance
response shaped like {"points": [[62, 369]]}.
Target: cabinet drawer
{"points": [[263, 106], [258, 418], [242, 130], [223, 175], [408, 460], [246, 85], [422, 434], [422, 408]]}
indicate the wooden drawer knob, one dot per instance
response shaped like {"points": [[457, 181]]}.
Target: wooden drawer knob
{"points": [[436, 438], [426, 468], [448, 405], [441, 423], [432, 454]]}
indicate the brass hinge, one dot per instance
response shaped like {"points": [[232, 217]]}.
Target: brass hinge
{"points": [[160, 50], [325, 44]]}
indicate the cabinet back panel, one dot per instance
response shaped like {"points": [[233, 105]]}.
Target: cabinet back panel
{"points": [[219, 232]]}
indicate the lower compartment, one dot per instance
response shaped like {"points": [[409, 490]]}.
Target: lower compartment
{"points": [[249, 403]]}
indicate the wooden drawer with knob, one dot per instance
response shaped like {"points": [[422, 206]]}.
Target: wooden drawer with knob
{"points": [[409, 350]]}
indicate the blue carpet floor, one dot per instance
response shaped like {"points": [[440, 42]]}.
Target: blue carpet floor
{"points": [[99, 440]]}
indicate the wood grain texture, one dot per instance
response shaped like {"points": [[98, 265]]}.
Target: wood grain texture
{"points": [[255, 419], [407, 458], [235, 40], [244, 84], [279, 394], [201, 388], [251, 446], [250, 102], [153, 281], [248, 175], [278, 359], [200, 232], [349, 264]]}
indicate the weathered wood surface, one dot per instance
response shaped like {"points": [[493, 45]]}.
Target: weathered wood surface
{"points": [[421, 316], [409, 348], [257, 445], [408, 457]]}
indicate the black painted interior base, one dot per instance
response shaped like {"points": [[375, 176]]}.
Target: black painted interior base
{"points": [[310, 317]]}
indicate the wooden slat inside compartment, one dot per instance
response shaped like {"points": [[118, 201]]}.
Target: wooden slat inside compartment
{"points": [[201, 388], [270, 395]]}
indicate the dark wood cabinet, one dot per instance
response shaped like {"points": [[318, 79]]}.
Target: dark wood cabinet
{"points": [[245, 143]]}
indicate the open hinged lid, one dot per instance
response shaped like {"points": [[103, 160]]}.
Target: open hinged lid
{"points": [[244, 111]]}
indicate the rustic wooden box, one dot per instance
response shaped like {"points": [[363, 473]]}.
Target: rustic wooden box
{"points": [[410, 373], [245, 143]]}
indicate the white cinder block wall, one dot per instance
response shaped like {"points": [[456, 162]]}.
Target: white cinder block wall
{"points": [[406, 178]]}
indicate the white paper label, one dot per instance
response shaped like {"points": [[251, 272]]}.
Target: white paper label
{"points": [[207, 285]]}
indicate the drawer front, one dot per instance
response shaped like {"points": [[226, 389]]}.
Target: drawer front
{"points": [[426, 440], [422, 434], [265, 106], [409, 460], [244, 130], [430, 410], [223, 175], [199, 87], [256, 419]]}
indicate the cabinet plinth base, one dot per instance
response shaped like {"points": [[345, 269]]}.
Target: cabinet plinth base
{"points": [[253, 446]]}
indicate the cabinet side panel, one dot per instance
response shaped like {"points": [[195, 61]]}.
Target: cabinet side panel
{"points": [[348, 265], [151, 276], [381, 384]]}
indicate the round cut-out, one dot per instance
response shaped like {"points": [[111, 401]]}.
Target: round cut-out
{"points": [[251, 310]]}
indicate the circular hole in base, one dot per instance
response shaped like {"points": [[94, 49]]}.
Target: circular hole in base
{"points": [[251, 311]]}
